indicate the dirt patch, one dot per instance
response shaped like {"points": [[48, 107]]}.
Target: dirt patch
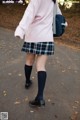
{"points": [[10, 16]]}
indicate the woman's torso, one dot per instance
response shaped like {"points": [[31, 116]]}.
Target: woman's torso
{"points": [[41, 28]]}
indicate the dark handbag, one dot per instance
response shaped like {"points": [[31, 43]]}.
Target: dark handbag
{"points": [[59, 22], [60, 25]]}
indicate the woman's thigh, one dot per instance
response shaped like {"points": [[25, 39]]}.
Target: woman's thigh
{"points": [[41, 62]]}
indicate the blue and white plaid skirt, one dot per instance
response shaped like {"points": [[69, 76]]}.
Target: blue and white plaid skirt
{"points": [[40, 48]]}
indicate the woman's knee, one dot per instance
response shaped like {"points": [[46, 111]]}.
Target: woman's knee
{"points": [[30, 59]]}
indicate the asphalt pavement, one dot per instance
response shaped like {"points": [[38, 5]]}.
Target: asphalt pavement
{"points": [[62, 91]]}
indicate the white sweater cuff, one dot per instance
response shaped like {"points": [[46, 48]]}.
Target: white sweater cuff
{"points": [[19, 32]]}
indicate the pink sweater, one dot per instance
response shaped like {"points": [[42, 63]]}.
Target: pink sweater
{"points": [[36, 23]]}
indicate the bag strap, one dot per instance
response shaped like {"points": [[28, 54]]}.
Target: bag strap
{"points": [[54, 17]]}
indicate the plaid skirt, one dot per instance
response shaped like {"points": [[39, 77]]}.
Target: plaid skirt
{"points": [[40, 48]]}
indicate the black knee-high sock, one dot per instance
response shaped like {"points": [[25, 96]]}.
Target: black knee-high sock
{"points": [[41, 84], [27, 70]]}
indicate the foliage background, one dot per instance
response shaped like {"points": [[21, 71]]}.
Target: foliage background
{"points": [[10, 15]]}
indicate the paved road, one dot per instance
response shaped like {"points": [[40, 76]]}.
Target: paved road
{"points": [[62, 92]]}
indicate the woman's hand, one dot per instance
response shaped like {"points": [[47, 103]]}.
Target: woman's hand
{"points": [[19, 33], [18, 37]]}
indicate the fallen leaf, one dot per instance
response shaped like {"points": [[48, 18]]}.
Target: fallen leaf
{"points": [[76, 71], [77, 102], [17, 102], [9, 73], [5, 94], [33, 77], [76, 112], [69, 67], [58, 61], [31, 111], [49, 100], [19, 74], [74, 107], [63, 70], [4, 91], [26, 99]]}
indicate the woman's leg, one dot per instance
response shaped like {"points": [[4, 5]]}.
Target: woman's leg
{"points": [[28, 68], [41, 75]]}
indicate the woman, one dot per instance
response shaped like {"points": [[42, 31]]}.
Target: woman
{"points": [[36, 29]]}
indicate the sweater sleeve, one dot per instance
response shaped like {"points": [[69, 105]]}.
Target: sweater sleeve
{"points": [[27, 18]]}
